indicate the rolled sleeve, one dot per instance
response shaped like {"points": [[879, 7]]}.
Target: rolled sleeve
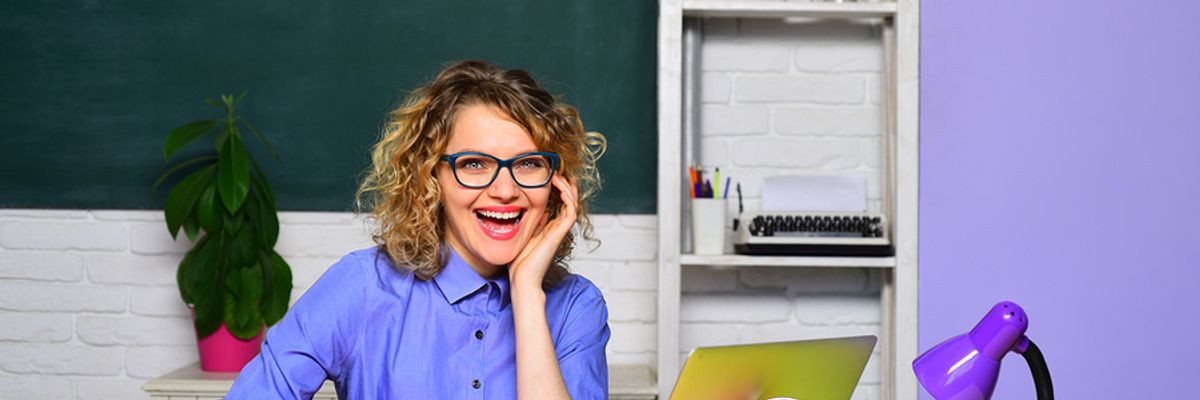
{"points": [[582, 343]]}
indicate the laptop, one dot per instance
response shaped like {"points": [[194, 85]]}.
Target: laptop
{"points": [[824, 369]]}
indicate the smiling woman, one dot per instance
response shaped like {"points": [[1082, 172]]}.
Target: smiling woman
{"points": [[476, 184], [504, 106]]}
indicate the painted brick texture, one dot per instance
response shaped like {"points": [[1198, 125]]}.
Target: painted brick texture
{"points": [[102, 333], [96, 320], [791, 97]]}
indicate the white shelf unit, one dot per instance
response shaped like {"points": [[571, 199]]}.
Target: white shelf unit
{"points": [[898, 294]]}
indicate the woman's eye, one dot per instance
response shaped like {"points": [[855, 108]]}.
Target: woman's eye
{"points": [[531, 164], [472, 165]]}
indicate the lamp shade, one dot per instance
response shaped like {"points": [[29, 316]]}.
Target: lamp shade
{"points": [[966, 366]]}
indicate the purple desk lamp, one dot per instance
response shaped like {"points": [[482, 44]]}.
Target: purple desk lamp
{"points": [[966, 366]]}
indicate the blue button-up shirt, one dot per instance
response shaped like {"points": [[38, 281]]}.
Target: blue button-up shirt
{"points": [[381, 333]]}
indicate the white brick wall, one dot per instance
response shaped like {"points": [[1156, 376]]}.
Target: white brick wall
{"points": [[78, 323], [771, 88], [787, 97], [95, 318], [88, 303]]}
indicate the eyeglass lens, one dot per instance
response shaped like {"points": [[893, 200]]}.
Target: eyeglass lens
{"points": [[475, 170]]}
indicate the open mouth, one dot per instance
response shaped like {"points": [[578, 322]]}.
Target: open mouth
{"points": [[500, 224]]}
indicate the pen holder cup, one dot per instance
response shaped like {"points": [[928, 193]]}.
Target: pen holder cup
{"points": [[708, 226]]}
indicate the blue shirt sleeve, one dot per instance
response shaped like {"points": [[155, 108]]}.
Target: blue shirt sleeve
{"points": [[581, 343], [312, 341]]}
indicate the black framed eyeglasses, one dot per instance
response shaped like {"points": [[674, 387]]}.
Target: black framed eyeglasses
{"points": [[478, 170]]}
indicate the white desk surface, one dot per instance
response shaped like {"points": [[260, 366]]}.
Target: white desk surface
{"points": [[625, 382]]}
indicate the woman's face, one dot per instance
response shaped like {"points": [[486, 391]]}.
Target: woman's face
{"points": [[479, 222]]}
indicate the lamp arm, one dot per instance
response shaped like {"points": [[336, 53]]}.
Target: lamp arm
{"points": [[1041, 372]]}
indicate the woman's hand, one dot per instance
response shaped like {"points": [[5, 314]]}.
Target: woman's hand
{"points": [[530, 266], [538, 374]]}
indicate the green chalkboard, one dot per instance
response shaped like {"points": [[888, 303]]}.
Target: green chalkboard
{"points": [[90, 88]]}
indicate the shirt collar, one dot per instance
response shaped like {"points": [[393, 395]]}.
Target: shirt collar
{"points": [[502, 283], [458, 280]]}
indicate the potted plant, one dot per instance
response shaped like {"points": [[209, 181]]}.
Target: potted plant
{"points": [[232, 278]]}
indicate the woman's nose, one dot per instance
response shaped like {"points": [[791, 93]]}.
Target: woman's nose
{"points": [[504, 187]]}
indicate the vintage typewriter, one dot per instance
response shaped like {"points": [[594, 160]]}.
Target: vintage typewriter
{"points": [[813, 234]]}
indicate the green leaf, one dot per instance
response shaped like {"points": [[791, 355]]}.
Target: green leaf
{"points": [[219, 139], [233, 176], [191, 227], [252, 208], [264, 187], [243, 250], [182, 274], [205, 262], [209, 211], [209, 289], [261, 138], [209, 313], [183, 196], [230, 308], [184, 134], [244, 292], [268, 224], [233, 223], [278, 290], [176, 168], [214, 103]]}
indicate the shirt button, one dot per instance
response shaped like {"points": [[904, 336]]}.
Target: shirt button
{"points": [[475, 384], [479, 335]]}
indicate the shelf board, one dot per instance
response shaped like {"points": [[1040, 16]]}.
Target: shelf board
{"points": [[781, 9], [631, 382], [732, 260]]}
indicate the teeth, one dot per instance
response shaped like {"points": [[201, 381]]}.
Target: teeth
{"points": [[500, 215]]}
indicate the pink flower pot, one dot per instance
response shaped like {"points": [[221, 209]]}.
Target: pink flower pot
{"points": [[222, 352]]}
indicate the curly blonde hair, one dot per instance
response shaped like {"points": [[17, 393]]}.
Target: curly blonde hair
{"points": [[401, 188]]}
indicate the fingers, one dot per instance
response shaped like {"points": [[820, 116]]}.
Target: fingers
{"points": [[543, 222], [569, 192], [538, 253]]}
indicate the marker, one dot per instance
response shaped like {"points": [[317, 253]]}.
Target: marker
{"points": [[739, 190], [736, 220], [716, 182], [692, 177], [726, 194]]}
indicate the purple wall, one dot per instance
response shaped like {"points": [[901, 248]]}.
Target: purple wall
{"points": [[1060, 170]]}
